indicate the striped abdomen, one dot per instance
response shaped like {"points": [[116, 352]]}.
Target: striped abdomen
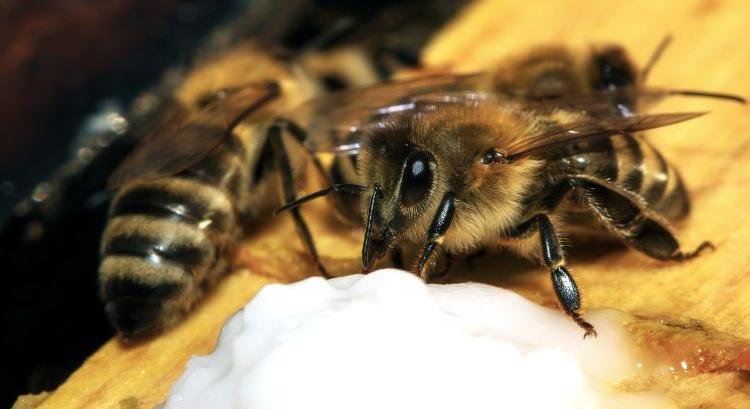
{"points": [[167, 240], [633, 165]]}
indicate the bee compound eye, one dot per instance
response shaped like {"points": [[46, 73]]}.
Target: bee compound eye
{"points": [[416, 179]]}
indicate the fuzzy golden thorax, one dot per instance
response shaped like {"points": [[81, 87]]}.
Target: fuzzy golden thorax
{"points": [[456, 139], [246, 65]]}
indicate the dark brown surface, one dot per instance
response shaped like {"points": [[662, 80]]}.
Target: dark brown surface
{"points": [[54, 48]]}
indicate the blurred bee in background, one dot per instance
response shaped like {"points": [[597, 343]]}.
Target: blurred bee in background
{"points": [[509, 158], [215, 161]]}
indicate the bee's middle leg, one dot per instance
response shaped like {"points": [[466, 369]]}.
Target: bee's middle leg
{"points": [[552, 255], [281, 156]]}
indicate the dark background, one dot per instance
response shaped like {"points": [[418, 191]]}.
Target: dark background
{"points": [[62, 58], [60, 61]]}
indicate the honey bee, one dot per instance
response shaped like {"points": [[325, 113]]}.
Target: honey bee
{"points": [[211, 164], [509, 157]]}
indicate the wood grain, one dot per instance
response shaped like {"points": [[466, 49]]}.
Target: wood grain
{"points": [[710, 52]]}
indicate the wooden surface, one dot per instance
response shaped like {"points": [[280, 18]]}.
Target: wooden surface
{"points": [[710, 52]]}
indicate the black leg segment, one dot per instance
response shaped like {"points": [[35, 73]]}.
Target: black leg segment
{"points": [[635, 224], [438, 227], [563, 283], [290, 192], [300, 135]]}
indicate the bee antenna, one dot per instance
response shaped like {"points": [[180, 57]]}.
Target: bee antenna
{"points": [[339, 187], [707, 94], [367, 242], [655, 56]]}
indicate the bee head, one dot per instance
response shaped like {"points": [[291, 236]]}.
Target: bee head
{"points": [[406, 180], [411, 164]]}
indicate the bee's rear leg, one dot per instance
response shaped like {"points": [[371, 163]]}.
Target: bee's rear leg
{"points": [[637, 225], [290, 191], [654, 239], [552, 255], [687, 255]]}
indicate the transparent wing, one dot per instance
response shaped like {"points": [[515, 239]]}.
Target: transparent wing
{"points": [[622, 101], [619, 102], [591, 127], [597, 115], [183, 138], [334, 122]]}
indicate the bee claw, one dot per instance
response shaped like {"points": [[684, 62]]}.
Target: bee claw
{"points": [[682, 256], [590, 332], [588, 329]]}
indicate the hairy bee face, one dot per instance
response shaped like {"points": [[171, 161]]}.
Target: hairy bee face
{"points": [[414, 163], [405, 174]]}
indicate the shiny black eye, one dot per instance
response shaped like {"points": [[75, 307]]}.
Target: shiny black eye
{"points": [[492, 156], [417, 177]]}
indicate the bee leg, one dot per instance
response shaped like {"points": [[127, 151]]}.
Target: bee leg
{"points": [[290, 193], [446, 268], [687, 255], [563, 283], [300, 135], [632, 222], [438, 227]]}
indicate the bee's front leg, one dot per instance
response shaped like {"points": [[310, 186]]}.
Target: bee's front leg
{"points": [[438, 227]]}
